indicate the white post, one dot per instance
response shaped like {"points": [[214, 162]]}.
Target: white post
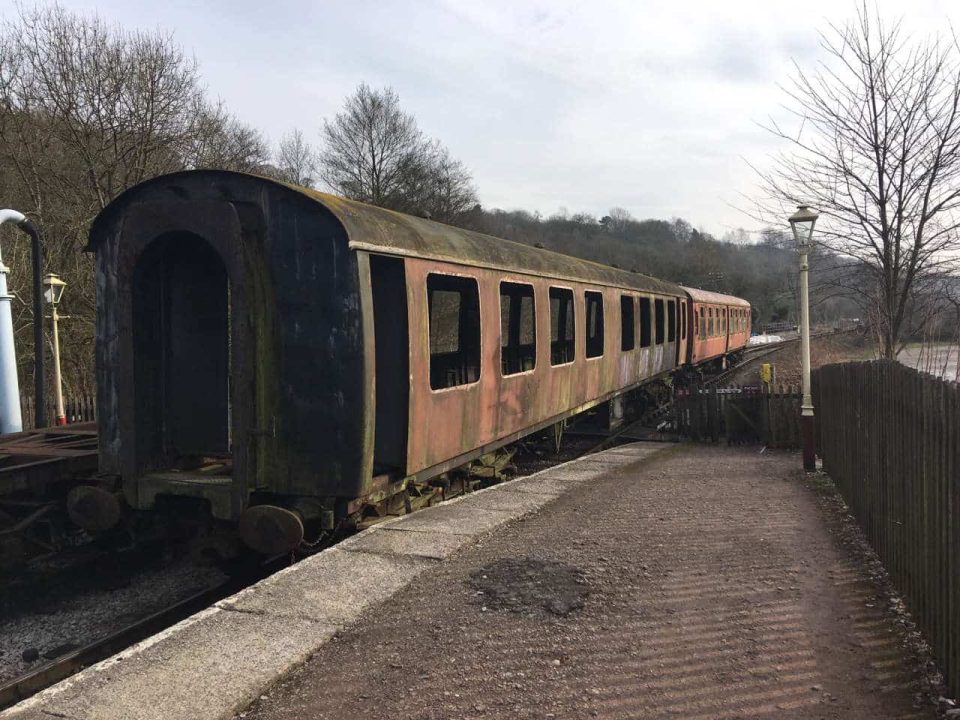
{"points": [[10, 418], [58, 384], [806, 407]]}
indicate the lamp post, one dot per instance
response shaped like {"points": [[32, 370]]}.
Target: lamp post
{"points": [[53, 291], [802, 222]]}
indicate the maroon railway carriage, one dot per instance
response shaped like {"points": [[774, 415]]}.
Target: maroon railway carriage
{"points": [[288, 358], [719, 325]]}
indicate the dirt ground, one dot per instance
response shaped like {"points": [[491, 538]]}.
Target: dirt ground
{"points": [[842, 347], [707, 583]]}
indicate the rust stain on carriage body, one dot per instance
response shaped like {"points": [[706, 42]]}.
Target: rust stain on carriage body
{"points": [[450, 422]]}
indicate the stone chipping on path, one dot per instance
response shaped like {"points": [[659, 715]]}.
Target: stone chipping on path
{"points": [[705, 583]]}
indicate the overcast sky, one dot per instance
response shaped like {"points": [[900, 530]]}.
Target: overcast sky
{"points": [[652, 106]]}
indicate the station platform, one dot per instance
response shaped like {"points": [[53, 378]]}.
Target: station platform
{"points": [[648, 581]]}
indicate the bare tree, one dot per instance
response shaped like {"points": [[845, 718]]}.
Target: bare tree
{"points": [[878, 153], [445, 188], [219, 141], [86, 111], [296, 159], [374, 152], [616, 220]]}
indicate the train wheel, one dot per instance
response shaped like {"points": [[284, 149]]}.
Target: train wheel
{"points": [[271, 530]]}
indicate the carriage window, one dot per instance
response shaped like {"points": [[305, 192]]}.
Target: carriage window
{"points": [[671, 321], [683, 320], [454, 312], [703, 325], [644, 322], [594, 313], [562, 339], [518, 328], [658, 313], [628, 339]]}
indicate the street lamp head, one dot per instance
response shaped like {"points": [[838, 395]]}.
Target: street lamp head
{"points": [[802, 222], [53, 288]]}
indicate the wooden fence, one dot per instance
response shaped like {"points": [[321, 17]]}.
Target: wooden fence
{"points": [[890, 439], [77, 409], [741, 414]]}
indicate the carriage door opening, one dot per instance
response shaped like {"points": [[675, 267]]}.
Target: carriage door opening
{"points": [[389, 288], [181, 321]]}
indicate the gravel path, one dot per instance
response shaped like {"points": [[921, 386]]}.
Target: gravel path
{"points": [[708, 583]]}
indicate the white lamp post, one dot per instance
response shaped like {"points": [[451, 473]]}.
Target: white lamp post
{"points": [[802, 222], [53, 291]]}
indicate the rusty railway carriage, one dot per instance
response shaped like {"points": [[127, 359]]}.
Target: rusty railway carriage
{"points": [[719, 325], [288, 356]]}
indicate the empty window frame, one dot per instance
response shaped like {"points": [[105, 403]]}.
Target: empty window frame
{"points": [[518, 328], [628, 326], [562, 337], [671, 321], [453, 304], [658, 320], [593, 304], [645, 322], [703, 324], [683, 320]]}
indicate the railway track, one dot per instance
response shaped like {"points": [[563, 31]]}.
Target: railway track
{"points": [[62, 667], [757, 353]]}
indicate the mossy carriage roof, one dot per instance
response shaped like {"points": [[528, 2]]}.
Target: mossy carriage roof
{"points": [[384, 231]]}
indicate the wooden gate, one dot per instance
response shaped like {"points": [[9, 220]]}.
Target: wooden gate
{"points": [[741, 414]]}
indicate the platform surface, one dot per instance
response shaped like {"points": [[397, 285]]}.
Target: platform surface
{"points": [[714, 587], [648, 581]]}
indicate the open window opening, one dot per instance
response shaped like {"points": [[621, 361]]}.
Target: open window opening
{"points": [[627, 324], [645, 322], [181, 344], [659, 320], [518, 328], [454, 313], [562, 342], [671, 321], [594, 313]]}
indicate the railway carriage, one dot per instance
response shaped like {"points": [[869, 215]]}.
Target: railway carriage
{"points": [[719, 325], [284, 356]]}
